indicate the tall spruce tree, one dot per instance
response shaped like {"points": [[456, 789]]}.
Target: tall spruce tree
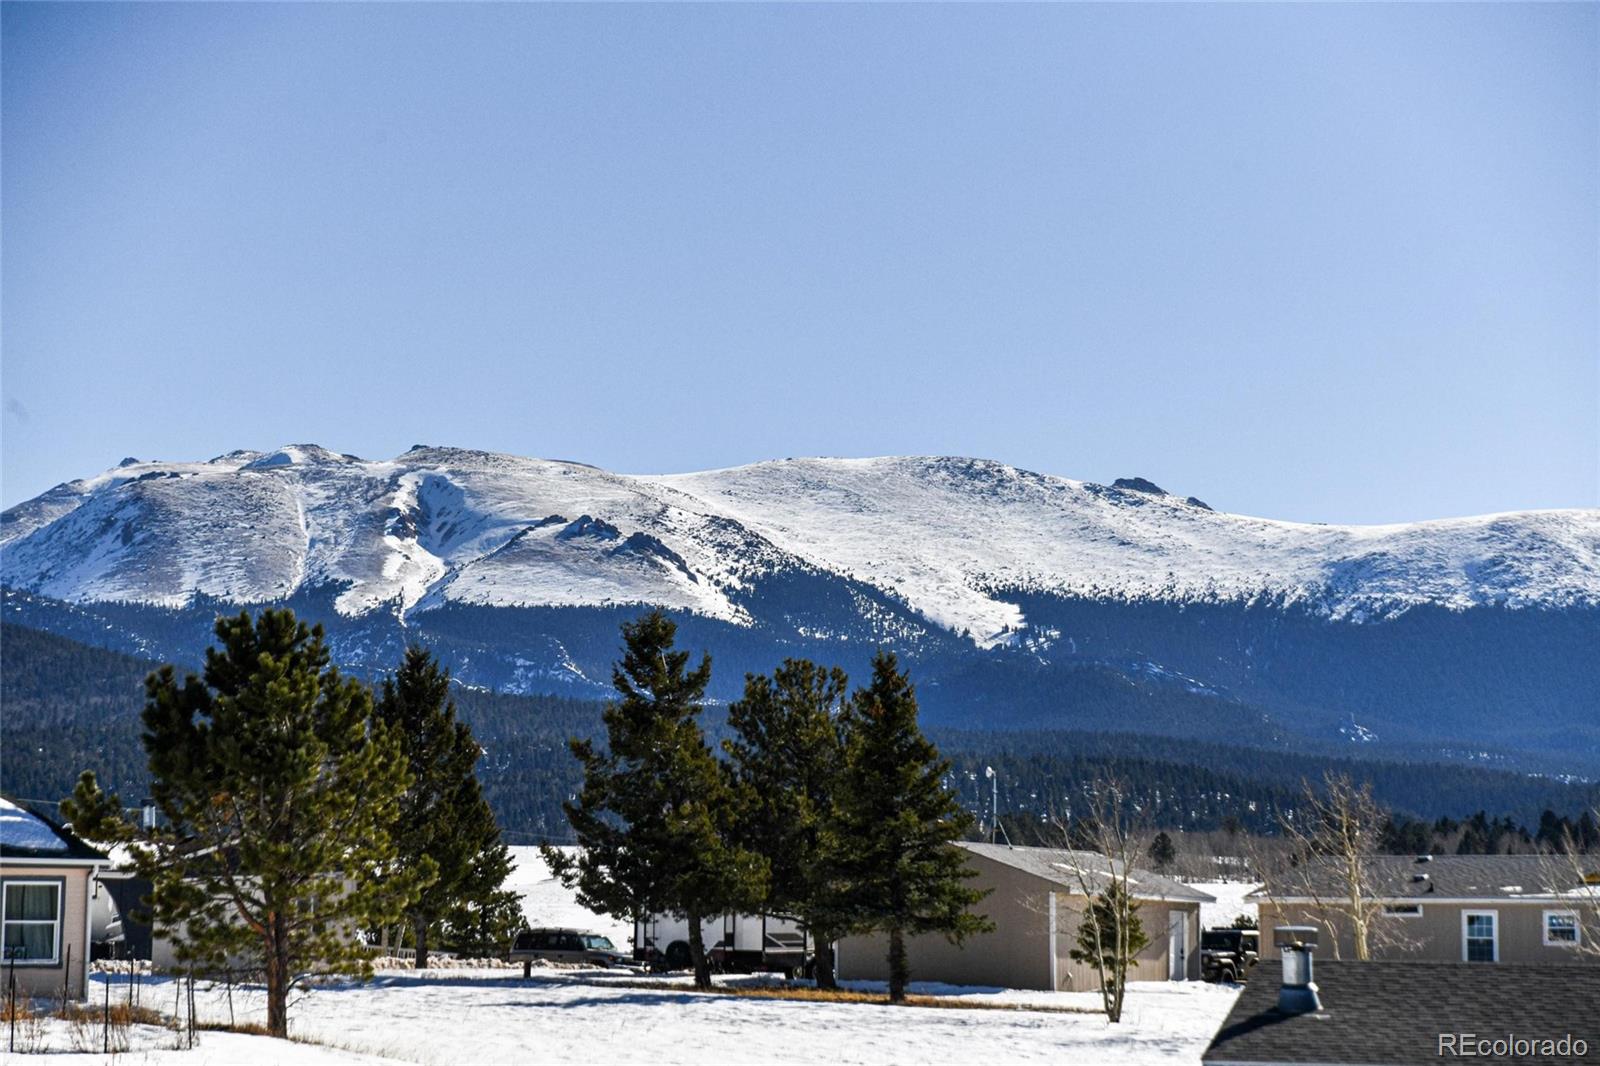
{"points": [[897, 822], [279, 794], [654, 818], [443, 814], [787, 755]]}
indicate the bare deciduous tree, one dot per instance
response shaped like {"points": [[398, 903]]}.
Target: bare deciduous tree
{"points": [[1336, 831], [1110, 936], [1575, 878]]}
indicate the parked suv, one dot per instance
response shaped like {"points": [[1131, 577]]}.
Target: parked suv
{"points": [[1227, 954], [572, 946]]}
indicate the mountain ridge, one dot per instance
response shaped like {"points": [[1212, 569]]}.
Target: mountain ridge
{"points": [[941, 533], [1021, 600]]}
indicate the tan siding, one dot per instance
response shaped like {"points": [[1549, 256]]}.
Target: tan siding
{"points": [[1434, 936], [1152, 963], [1017, 954], [47, 980]]}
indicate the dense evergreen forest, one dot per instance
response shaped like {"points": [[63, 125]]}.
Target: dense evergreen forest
{"points": [[69, 706]]}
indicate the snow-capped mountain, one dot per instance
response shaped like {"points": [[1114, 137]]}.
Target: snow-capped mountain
{"points": [[949, 538], [934, 554]]}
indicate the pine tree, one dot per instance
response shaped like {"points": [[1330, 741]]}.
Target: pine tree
{"points": [[787, 756], [1110, 937], [1162, 853], [897, 822], [279, 793], [654, 818], [443, 814]]}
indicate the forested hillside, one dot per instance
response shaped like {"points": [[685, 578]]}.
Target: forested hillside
{"points": [[69, 706]]}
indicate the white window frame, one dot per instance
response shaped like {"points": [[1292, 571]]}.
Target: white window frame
{"points": [[1389, 910], [1577, 929], [57, 923], [1494, 940]]}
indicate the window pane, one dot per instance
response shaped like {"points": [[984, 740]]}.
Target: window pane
{"points": [[37, 939], [1562, 927], [1480, 938], [31, 901]]}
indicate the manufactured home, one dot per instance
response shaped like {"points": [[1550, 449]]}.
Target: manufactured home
{"points": [[47, 882], [1450, 908], [1036, 900]]}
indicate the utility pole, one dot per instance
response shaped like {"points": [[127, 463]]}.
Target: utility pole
{"points": [[994, 801]]}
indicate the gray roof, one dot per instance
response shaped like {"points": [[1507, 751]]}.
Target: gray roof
{"points": [[1446, 877], [1392, 1013], [1063, 866]]}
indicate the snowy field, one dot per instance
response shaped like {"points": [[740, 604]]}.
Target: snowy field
{"points": [[546, 903], [1230, 902], [488, 1016], [560, 1016]]}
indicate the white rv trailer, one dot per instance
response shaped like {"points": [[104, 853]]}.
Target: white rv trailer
{"points": [[736, 943]]}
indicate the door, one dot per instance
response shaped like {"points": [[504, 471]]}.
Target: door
{"points": [[1178, 945]]}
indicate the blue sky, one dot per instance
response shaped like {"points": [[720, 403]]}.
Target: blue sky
{"points": [[1327, 262]]}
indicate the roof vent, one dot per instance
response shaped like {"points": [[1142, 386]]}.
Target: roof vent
{"points": [[1420, 879], [1424, 858], [1298, 993]]}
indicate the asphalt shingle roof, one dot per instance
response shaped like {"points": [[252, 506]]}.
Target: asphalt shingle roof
{"points": [[1393, 1013], [1447, 877], [1061, 866]]}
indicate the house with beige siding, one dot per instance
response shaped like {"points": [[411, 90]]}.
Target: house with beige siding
{"points": [[1036, 901], [1449, 908], [47, 878]]}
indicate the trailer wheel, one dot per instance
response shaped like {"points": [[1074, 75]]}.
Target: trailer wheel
{"points": [[678, 957]]}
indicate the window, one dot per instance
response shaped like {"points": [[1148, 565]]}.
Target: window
{"points": [[1403, 910], [1561, 928], [33, 921], [1480, 941]]}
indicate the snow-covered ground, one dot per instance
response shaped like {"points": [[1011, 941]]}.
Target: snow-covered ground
{"points": [[545, 902], [581, 1016], [1230, 902], [590, 1016], [149, 1045]]}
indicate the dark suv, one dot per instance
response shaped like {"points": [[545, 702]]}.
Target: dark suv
{"points": [[1226, 954], [572, 946]]}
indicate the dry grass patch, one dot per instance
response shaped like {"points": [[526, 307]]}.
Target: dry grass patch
{"points": [[812, 994]]}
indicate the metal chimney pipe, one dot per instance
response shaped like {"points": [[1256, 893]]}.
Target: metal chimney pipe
{"points": [[1298, 993]]}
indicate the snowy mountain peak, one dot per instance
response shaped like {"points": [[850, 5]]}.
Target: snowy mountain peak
{"points": [[296, 455], [959, 542]]}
